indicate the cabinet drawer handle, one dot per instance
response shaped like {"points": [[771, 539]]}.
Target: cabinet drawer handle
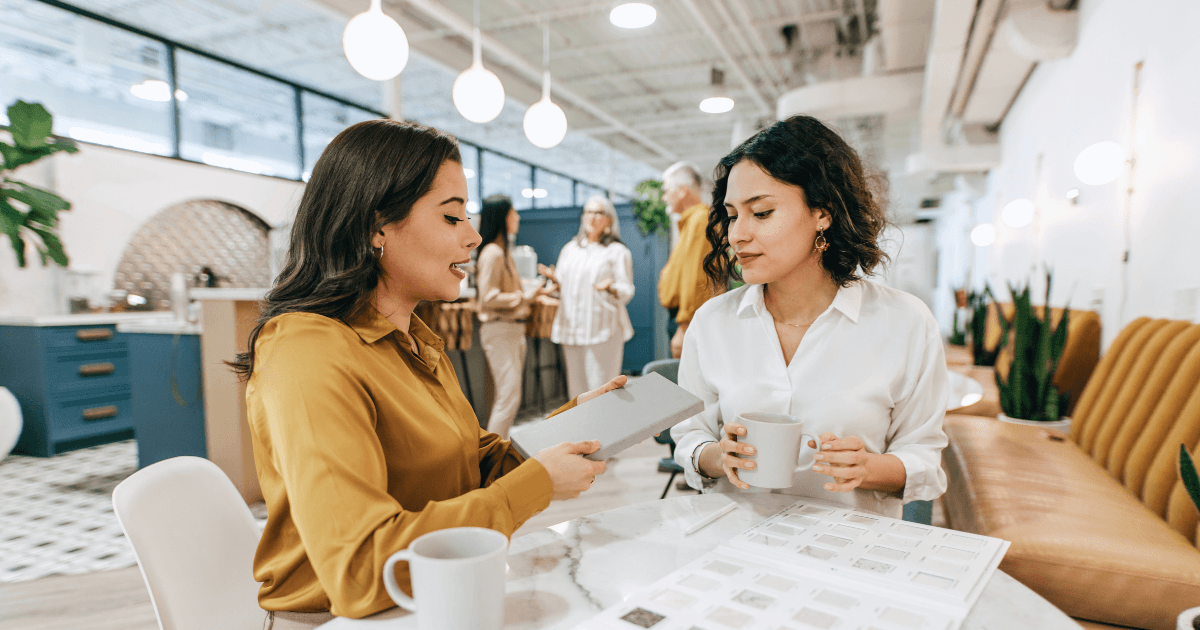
{"points": [[99, 413], [96, 369], [93, 334]]}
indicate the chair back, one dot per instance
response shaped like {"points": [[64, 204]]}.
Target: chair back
{"points": [[669, 368], [10, 422], [194, 540]]}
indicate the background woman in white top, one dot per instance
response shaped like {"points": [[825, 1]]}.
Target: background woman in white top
{"points": [[595, 277], [860, 364]]}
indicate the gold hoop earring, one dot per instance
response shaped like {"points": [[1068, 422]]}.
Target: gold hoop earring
{"points": [[379, 256], [821, 244]]}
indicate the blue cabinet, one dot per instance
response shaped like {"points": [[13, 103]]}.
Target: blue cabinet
{"points": [[168, 395], [73, 385]]}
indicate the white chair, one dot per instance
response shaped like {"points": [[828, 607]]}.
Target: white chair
{"points": [[10, 422], [194, 540]]}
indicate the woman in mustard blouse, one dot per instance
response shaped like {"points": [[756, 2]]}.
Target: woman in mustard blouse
{"points": [[363, 440]]}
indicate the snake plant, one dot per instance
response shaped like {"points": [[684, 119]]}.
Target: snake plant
{"points": [[1037, 345], [978, 303], [1187, 472]]}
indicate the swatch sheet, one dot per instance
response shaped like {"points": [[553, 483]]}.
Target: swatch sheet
{"points": [[815, 565]]}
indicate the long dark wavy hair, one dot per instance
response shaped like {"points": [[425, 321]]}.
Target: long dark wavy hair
{"points": [[493, 221], [369, 176], [803, 152]]}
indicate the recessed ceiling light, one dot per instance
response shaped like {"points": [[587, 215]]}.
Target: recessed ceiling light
{"points": [[633, 15], [716, 104]]}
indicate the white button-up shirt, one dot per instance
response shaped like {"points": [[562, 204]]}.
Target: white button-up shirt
{"points": [[872, 366], [585, 316]]}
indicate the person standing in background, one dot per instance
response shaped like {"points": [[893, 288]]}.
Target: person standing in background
{"points": [[595, 276], [682, 286], [503, 309]]}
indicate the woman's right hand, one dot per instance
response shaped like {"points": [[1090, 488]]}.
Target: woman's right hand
{"points": [[570, 473], [726, 454]]}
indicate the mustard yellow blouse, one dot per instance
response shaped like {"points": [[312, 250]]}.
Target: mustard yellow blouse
{"points": [[682, 283], [361, 446]]}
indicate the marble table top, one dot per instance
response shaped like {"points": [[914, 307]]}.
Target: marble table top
{"points": [[566, 573]]}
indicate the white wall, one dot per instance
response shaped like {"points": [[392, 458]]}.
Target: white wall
{"points": [[113, 192], [1069, 104]]}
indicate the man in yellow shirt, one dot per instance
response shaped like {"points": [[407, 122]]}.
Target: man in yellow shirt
{"points": [[682, 286]]}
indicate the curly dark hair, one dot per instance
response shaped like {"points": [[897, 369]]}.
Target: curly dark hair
{"points": [[803, 152]]}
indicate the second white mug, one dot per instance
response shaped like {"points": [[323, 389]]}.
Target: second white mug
{"points": [[457, 579], [778, 439]]}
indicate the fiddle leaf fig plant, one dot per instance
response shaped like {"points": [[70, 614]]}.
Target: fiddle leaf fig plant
{"points": [[29, 214], [1037, 345], [650, 208], [1187, 473]]}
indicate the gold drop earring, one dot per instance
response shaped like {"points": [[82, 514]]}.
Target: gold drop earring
{"points": [[820, 245]]}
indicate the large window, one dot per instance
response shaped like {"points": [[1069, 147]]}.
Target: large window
{"points": [[583, 192], [323, 119], [236, 119], [505, 176], [104, 85], [552, 190], [470, 158]]}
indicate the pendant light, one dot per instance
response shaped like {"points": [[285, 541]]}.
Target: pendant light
{"points": [[1018, 213], [718, 103], [545, 123], [478, 93], [375, 44], [1100, 163], [632, 15]]}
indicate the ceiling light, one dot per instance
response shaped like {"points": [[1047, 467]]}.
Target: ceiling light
{"points": [[545, 123], [984, 234], [1017, 213], [375, 44], [155, 90], [469, 173], [1100, 163], [539, 193], [632, 15], [478, 94], [717, 103], [473, 207], [1073, 196], [527, 193]]}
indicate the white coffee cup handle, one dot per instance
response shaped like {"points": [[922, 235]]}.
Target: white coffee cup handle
{"points": [[389, 580], [806, 462]]}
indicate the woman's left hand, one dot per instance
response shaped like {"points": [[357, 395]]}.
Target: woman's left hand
{"points": [[844, 459], [607, 387], [605, 285]]}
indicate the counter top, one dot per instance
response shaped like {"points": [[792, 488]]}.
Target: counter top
{"points": [[252, 295], [81, 319], [164, 326]]}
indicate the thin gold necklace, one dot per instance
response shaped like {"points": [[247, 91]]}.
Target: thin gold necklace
{"points": [[779, 321]]}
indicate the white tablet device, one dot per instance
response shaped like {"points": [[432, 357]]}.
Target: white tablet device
{"points": [[619, 419]]}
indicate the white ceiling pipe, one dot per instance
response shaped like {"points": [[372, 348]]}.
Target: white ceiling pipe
{"points": [[760, 50], [734, 66], [515, 61], [764, 71]]}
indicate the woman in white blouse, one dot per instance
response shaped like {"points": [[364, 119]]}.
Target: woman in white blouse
{"points": [[595, 277], [860, 364]]}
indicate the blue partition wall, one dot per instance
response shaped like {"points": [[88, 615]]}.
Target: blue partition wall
{"points": [[547, 230]]}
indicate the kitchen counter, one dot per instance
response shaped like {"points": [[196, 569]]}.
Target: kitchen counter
{"points": [[251, 295], [82, 319], [161, 326]]}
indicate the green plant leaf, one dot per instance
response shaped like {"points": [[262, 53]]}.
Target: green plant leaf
{"points": [[52, 247], [18, 245], [1187, 473], [44, 206], [29, 124]]}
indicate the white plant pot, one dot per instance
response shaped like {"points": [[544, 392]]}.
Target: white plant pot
{"points": [[1062, 424], [1186, 617], [10, 421]]}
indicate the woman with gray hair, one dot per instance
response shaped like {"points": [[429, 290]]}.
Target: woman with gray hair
{"points": [[595, 276]]}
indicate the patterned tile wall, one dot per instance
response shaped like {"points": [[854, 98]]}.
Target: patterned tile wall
{"points": [[189, 236]]}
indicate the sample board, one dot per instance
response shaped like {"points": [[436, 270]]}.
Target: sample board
{"points": [[815, 565]]}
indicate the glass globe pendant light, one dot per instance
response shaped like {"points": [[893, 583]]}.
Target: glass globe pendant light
{"points": [[545, 123], [718, 103], [478, 93], [632, 15], [375, 45]]}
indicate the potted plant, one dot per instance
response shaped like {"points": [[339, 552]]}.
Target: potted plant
{"points": [[1028, 394], [1190, 618], [977, 303], [29, 214], [650, 208], [958, 335]]}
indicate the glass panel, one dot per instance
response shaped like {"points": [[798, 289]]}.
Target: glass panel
{"points": [[470, 156], [85, 73], [507, 177], [324, 119], [236, 119], [552, 191], [583, 192]]}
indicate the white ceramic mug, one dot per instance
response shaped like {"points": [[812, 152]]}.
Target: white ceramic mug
{"points": [[778, 440], [457, 579]]}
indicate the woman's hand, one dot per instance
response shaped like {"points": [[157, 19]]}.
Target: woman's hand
{"points": [[722, 458], [570, 474], [607, 387], [547, 271], [606, 286], [844, 459]]}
